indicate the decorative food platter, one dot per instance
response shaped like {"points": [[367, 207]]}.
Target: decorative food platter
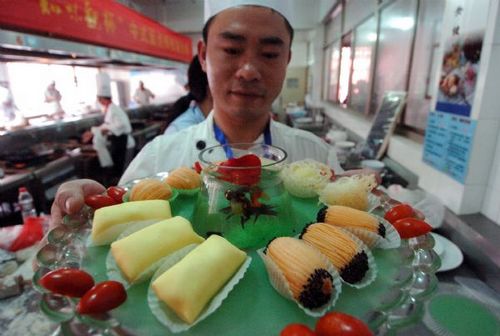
{"points": [[405, 278]]}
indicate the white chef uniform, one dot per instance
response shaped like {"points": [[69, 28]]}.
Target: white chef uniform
{"points": [[167, 152]]}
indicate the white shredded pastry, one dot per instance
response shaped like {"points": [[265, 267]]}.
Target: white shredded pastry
{"points": [[351, 191], [305, 178]]}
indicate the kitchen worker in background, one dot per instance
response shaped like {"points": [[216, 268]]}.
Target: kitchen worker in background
{"points": [[8, 112], [53, 100], [143, 96], [194, 107], [116, 128], [245, 52]]}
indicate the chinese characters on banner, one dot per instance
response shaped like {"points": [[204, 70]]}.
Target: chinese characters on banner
{"points": [[101, 22]]}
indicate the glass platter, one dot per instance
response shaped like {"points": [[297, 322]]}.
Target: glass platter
{"points": [[405, 280]]}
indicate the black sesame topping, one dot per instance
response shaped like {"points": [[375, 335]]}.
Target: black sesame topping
{"points": [[304, 230], [356, 269], [381, 230], [267, 246], [322, 214], [318, 289]]}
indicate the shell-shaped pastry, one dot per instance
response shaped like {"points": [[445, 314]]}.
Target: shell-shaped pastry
{"points": [[150, 189], [305, 270], [183, 178], [347, 217], [341, 249]]}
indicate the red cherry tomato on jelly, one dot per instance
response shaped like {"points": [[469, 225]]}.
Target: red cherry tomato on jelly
{"points": [[297, 329], [99, 201], [116, 193], [411, 227], [67, 281], [340, 324], [102, 297], [399, 211]]}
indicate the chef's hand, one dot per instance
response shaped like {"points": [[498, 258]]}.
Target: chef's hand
{"points": [[70, 198], [364, 171]]}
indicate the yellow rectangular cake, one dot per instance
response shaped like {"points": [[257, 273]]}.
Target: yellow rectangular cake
{"points": [[188, 286], [134, 254], [109, 222]]}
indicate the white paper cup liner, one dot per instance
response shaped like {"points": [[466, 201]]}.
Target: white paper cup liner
{"points": [[370, 239], [392, 238], [373, 202], [280, 284], [167, 316]]}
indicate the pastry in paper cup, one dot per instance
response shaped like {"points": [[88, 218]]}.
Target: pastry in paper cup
{"points": [[348, 254], [135, 256], [351, 191], [305, 178], [168, 316], [392, 238], [317, 293]]}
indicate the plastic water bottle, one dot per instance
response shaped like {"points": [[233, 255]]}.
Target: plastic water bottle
{"points": [[25, 201]]}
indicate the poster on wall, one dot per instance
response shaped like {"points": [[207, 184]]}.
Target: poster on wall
{"points": [[459, 73], [448, 142]]}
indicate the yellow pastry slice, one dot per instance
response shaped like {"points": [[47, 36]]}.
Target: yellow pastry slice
{"points": [[188, 286], [109, 222], [137, 252]]}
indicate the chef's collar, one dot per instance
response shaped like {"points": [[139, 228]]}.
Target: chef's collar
{"points": [[221, 138]]}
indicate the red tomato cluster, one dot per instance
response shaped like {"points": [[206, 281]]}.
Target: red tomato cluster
{"points": [[402, 217], [330, 324], [113, 195], [94, 299]]}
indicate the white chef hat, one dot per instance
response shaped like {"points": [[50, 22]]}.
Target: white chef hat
{"points": [[213, 7], [103, 82]]}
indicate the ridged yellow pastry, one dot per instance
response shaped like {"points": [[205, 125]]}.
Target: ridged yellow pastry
{"points": [[304, 269], [344, 216], [109, 222], [150, 189], [134, 254], [340, 248], [188, 286], [183, 178]]}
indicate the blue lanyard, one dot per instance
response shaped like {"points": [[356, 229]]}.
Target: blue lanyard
{"points": [[221, 138]]}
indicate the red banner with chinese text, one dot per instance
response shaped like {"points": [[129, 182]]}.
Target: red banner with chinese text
{"points": [[101, 22]]}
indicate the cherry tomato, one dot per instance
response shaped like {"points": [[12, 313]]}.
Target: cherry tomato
{"points": [[116, 193], [99, 201], [340, 324], [102, 297], [411, 227], [297, 329], [67, 281], [399, 211]]}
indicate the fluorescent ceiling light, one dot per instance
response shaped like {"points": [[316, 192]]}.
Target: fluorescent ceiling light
{"points": [[402, 23]]}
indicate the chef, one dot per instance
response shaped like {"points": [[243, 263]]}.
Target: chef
{"points": [[53, 100], [245, 52], [116, 127]]}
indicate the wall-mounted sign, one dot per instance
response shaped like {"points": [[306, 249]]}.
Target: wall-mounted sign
{"points": [[448, 141], [383, 125], [101, 22], [459, 73]]}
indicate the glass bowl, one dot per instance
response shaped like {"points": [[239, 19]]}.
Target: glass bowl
{"points": [[243, 201]]}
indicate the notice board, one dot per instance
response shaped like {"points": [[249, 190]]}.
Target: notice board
{"points": [[448, 143], [383, 125]]}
